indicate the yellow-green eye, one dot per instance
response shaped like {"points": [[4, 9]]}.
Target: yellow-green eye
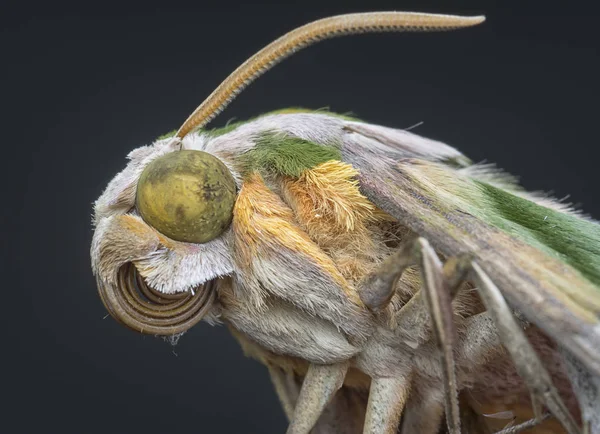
{"points": [[187, 196]]}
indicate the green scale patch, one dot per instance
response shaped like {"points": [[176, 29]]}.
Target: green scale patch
{"points": [[286, 155]]}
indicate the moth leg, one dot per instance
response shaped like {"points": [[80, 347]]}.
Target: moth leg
{"points": [[286, 388], [437, 298], [587, 388], [524, 426], [378, 288], [387, 397], [319, 386], [528, 364]]}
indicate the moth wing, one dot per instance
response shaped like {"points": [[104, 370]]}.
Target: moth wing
{"points": [[545, 261], [397, 143]]}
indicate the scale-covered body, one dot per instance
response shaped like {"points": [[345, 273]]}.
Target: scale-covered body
{"points": [[319, 198], [387, 282]]}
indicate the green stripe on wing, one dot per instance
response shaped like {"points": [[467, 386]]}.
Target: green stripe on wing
{"points": [[568, 237]]}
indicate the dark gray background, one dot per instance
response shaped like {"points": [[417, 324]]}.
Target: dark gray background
{"points": [[86, 82]]}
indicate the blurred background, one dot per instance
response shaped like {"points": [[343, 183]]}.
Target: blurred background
{"points": [[86, 82]]}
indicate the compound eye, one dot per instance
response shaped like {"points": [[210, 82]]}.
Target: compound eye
{"points": [[187, 196]]}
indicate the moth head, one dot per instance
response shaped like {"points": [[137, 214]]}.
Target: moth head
{"points": [[161, 239]]}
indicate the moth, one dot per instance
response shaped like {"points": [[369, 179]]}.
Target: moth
{"points": [[387, 282]]}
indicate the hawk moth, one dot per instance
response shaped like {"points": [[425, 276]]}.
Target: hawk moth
{"points": [[387, 282]]}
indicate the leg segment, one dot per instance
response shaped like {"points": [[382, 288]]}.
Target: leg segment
{"points": [[528, 364], [437, 298], [320, 384], [439, 285], [286, 388], [386, 401], [378, 288], [524, 426], [587, 388], [345, 413]]}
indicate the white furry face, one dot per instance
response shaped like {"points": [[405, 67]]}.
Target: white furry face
{"points": [[121, 236]]}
